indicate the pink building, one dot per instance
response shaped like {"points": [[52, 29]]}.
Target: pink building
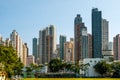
{"points": [[30, 60], [116, 47]]}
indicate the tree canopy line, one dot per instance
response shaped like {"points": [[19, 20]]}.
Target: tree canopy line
{"points": [[12, 64], [108, 69], [56, 65]]}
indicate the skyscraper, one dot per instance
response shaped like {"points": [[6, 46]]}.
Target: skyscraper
{"points": [[19, 46], [16, 43], [35, 48], [62, 40], [116, 47], [105, 34], [84, 43], [96, 33], [42, 48], [47, 44], [25, 52], [80, 37]]}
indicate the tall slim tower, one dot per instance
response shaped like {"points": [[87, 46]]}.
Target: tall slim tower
{"points": [[84, 43], [35, 48], [89, 45], [25, 52], [62, 40], [79, 34], [105, 34], [96, 33]]}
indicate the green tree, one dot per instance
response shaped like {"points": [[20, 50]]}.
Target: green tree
{"points": [[103, 68], [111, 59], [55, 65], [116, 69], [69, 67], [8, 57]]}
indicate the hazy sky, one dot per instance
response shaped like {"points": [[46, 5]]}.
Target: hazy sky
{"points": [[27, 17]]}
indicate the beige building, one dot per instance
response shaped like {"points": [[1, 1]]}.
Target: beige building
{"points": [[69, 51], [25, 52], [19, 46], [105, 34]]}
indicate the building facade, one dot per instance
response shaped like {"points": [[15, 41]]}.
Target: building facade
{"points": [[25, 53], [34, 48], [80, 38], [62, 40], [105, 34], [69, 51], [96, 33], [47, 44], [89, 46], [17, 43], [84, 43], [116, 47], [110, 46], [30, 60], [90, 71]]}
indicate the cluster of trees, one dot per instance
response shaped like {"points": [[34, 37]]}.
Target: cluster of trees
{"points": [[33, 68], [12, 64], [56, 65], [108, 69]]}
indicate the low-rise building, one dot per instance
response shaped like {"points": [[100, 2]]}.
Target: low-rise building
{"points": [[107, 54], [90, 71], [30, 60]]}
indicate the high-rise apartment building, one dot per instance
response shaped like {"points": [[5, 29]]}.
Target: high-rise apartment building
{"points": [[96, 33], [47, 44], [19, 46], [16, 42], [34, 47], [105, 34], [69, 51], [42, 48], [81, 41], [84, 43], [25, 52], [77, 27], [62, 40], [89, 46], [116, 47]]}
